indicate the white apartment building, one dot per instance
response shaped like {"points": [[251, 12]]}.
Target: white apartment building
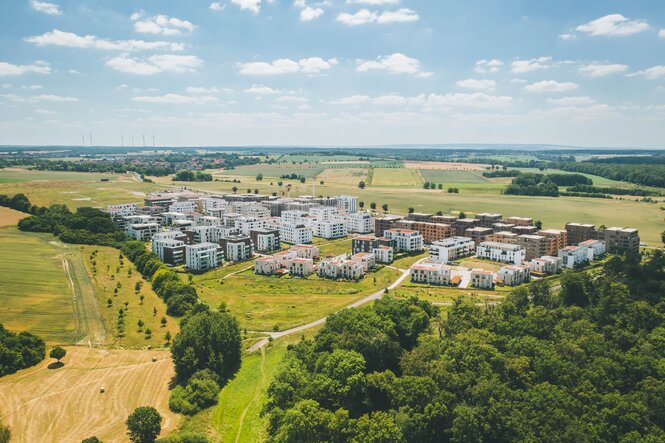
{"points": [[214, 204], [573, 256], [322, 212], [185, 206], [295, 233], [503, 252], [205, 234], [367, 260], [450, 249], [360, 222], [266, 265], [329, 229], [295, 216], [169, 251], [142, 231], [593, 248], [301, 267], [430, 272], [383, 254], [482, 279], [208, 220], [121, 210], [513, 275], [203, 256], [246, 224], [340, 267], [348, 203], [406, 240], [546, 265], [305, 251], [284, 258]]}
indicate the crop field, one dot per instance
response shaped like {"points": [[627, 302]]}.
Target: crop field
{"points": [[262, 303], [18, 175], [453, 177], [396, 177], [65, 404], [316, 158], [9, 217], [35, 293], [346, 176], [276, 171], [447, 166], [111, 272]]}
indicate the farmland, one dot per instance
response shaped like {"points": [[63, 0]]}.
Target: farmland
{"points": [[396, 177], [9, 217], [66, 405]]}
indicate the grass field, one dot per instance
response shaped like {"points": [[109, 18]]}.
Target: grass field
{"points": [[9, 217], [346, 176], [261, 303], [35, 294], [444, 294], [110, 272], [396, 177], [65, 405], [452, 177], [275, 171]]}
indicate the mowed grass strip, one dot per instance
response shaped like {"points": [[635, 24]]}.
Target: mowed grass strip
{"points": [[396, 177], [35, 294]]}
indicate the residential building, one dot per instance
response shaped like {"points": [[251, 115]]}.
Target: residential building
{"points": [[203, 234], [620, 240], [364, 243], [462, 224], [524, 230], [430, 272], [341, 268], [513, 275], [246, 224], [579, 232], [451, 249], [322, 212], [284, 257], [503, 252], [183, 225], [502, 227], [593, 248], [266, 265], [265, 240], [329, 229], [546, 265], [348, 203], [214, 203], [445, 219], [559, 240], [361, 222], [406, 240], [295, 233], [482, 279], [301, 267], [520, 221], [208, 220], [295, 217], [169, 250], [573, 256], [203, 256], [367, 259], [504, 237], [383, 254], [431, 232], [534, 245], [487, 220], [384, 222], [121, 210], [478, 234], [419, 216], [237, 247], [142, 231], [305, 251], [186, 206]]}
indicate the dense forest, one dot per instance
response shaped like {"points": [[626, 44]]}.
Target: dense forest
{"points": [[580, 364], [19, 351], [188, 175], [532, 184]]}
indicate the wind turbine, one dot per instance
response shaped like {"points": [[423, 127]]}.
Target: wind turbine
{"points": [[122, 139], [82, 140], [90, 139], [144, 140], [132, 141], [153, 140]]}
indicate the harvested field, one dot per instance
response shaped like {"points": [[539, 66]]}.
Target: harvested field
{"points": [[9, 217], [448, 166]]}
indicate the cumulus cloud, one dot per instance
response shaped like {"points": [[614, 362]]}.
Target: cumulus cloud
{"points": [[550, 86], [571, 101], [365, 16], [160, 24], [45, 7], [567, 37], [534, 64], [382, 100], [262, 90], [309, 13], [71, 40], [613, 25], [249, 5], [473, 100], [310, 65], [396, 63], [155, 64], [488, 66], [661, 33], [203, 90], [39, 98], [374, 2], [176, 99], [216, 6], [481, 85], [352, 100], [7, 69], [650, 73], [602, 69]]}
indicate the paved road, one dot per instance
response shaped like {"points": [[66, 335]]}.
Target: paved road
{"points": [[378, 294]]}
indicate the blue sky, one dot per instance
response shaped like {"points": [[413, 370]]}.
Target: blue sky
{"points": [[333, 72]]}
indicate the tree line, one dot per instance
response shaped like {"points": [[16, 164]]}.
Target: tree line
{"points": [[19, 351], [583, 363]]}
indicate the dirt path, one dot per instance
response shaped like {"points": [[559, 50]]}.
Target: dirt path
{"points": [[259, 387]]}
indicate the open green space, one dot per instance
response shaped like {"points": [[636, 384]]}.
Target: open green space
{"points": [[446, 294], [452, 177], [275, 171], [396, 177], [17, 175]]}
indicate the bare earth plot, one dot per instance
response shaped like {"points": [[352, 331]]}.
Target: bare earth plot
{"points": [[65, 404], [10, 217]]}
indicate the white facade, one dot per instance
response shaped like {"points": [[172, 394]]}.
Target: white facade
{"points": [[348, 203], [208, 220], [295, 233], [142, 231], [214, 204], [450, 249], [406, 240], [482, 279], [238, 251], [383, 254], [430, 272], [121, 210], [305, 251], [294, 217], [340, 267], [266, 265], [503, 252], [322, 212], [205, 234], [185, 206], [267, 242], [203, 256], [361, 222], [546, 265], [161, 246], [513, 275], [301, 267], [334, 228], [367, 260], [246, 224], [573, 256], [592, 248]]}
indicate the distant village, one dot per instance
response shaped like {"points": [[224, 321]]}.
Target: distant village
{"points": [[201, 231]]}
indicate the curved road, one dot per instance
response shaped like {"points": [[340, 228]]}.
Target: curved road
{"points": [[260, 344]]}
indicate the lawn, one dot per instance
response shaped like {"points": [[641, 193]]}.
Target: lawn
{"points": [[396, 177], [333, 247], [277, 171], [479, 263], [35, 293], [450, 178], [111, 272], [263, 303], [404, 261], [445, 294]]}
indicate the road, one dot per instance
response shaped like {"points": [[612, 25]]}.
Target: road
{"points": [[375, 296]]}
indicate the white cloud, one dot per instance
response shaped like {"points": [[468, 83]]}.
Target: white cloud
{"points": [[398, 100], [46, 8], [205, 90], [396, 63], [602, 69], [39, 98], [71, 40], [75, 72], [518, 81], [12, 69], [567, 37], [310, 65], [613, 25], [261, 90], [534, 64], [216, 6], [310, 13], [550, 86], [571, 101], [481, 85], [352, 100], [650, 73], [154, 64], [488, 66], [32, 87], [250, 5], [176, 99], [160, 24], [374, 2], [365, 16], [473, 100], [43, 111], [661, 33], [291, 99]]}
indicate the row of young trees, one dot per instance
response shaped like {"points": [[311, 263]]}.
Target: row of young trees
{"points": [[580, 364]]}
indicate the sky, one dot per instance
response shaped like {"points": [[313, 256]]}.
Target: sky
{"points": [[332, 72]]}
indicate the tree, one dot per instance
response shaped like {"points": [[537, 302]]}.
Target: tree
{"points": [[92, 439], [426, 185], [411, 210], [234, 189], [538, 224], [58, 353], [361, 185], [5, 434], [259, 177], [461, 215], [373, 206], [144, 425], [385, 207], [662, 237], [361, 205]]}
